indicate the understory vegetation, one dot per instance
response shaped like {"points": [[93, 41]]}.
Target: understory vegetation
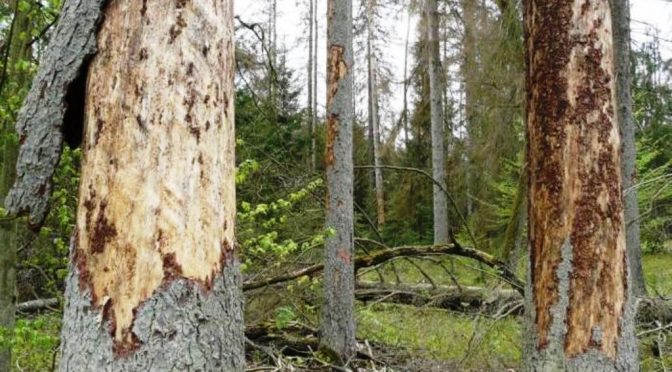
{"points": [[433, 312]]}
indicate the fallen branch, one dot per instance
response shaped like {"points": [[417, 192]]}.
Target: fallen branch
{"points": [[442, 297], [37, 305], [380, 257]]}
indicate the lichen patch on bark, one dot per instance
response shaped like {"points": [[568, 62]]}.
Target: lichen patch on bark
{"points": [[157, 190], [575, 193]]}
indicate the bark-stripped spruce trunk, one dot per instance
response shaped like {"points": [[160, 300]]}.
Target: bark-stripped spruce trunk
{"points": [[374, 124], [621, 22], [154, 283], [436, 94], [580, 309], [338, 316]]}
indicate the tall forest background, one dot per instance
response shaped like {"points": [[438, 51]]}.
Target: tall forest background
{"points": [[280, 146]]}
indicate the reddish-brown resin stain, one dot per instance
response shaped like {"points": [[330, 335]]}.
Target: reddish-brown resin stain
{"points": [[337, 69]]}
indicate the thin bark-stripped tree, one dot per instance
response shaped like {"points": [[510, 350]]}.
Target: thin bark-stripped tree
{"points": [[338, 315], [621, 21], [437, 122], [580, 309], [153, 274]]}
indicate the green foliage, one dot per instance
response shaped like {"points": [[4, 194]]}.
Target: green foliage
{"points": [[45, 260], [34, 342], [654, 191], [284, 316], [479, 343]]}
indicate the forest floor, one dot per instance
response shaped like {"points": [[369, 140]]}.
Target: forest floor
{"points": [[413, 338]]}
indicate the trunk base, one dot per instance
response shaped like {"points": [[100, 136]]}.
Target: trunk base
{"points": [[180, 327]]}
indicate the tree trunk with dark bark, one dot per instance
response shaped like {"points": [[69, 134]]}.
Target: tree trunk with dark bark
{"points": [[581, 313], [437, 123], [154, 282]]}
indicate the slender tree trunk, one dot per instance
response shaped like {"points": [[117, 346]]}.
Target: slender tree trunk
{"points": [[273, 51], [374, 127], [8, 245], [406, 83], [580, 307], [311, 16], [338, 317], [621, 23], [514, 237], [438, 153], [313, 124], [154, 282], [469, 10], [11, 231]]}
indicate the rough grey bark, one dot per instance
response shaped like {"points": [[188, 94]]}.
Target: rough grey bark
{"points": [[180, 328], [374, 125], [580, 308], [620, 13], [338, 315], [154, 282], [41, 119], [436, 94]]}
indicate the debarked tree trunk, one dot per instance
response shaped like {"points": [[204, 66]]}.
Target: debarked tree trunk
{"points": [[581, 311], [154, 282]]}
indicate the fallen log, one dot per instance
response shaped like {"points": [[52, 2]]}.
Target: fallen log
{"points": [[654, 310], [383, 256], [462, 298]]}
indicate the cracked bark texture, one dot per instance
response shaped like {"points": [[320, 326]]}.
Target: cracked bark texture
{"points": [[580, 306], [154, 281], [180, 328], [338, 313], [41, 119], [439, 198], [620, 15]]}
